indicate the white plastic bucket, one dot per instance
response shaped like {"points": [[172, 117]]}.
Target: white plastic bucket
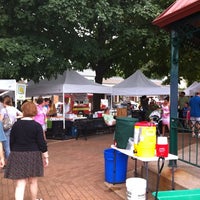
{"points": [[136, 188]]}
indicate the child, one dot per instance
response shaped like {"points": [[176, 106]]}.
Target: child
{"points": [[185, 112]]}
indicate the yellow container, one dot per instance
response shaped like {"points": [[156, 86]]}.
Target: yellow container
{"points": [[145, 139]]}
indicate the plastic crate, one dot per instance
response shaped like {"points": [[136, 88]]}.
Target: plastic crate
{"points": [[193, 194]]}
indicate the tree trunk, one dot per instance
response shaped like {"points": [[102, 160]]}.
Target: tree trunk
{"points": [[100, 71], [97, 101]]}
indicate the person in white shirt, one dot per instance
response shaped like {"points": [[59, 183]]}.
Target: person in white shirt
{"points": [[13, 113], [67, 107]]}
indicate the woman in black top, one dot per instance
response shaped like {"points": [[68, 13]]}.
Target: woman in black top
{"points": [[29, 152]]}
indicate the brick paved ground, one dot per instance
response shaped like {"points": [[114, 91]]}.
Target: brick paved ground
{"points": [[76, 172]]}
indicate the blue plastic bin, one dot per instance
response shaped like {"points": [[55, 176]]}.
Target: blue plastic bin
{"points": [[115, 166]]}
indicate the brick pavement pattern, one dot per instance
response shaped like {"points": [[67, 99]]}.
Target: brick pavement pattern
{"points": [[75, 172]]}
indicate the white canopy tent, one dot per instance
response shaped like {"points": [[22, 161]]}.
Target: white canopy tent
{"points": [[8, 86], [194, 87], [137, 85], [69, 82]]}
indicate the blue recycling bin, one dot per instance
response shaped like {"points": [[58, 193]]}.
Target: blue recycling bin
{"points": [[115, 166]]}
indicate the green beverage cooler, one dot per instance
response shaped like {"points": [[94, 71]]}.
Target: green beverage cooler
{"points": [[124, 130]]}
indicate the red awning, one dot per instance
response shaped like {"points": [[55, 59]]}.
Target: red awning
{"points": [[178, 10]]}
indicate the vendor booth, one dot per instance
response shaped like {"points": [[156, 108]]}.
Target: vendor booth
{"points": [[192, 89], [67, 84], [7, 85], [17, 91], [10, 87], [137, 85]]}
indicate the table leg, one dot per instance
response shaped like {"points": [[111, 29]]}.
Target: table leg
{"points": [[135, 170], [147, 177], [173, 165]]}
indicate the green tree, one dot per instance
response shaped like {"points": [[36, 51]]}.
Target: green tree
{"points": [[40, 38]]}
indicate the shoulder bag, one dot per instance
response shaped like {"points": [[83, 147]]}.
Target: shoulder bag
{"points": [[7, 123]]}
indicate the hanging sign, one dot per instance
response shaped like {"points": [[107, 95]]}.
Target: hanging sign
{"points": [[21, 91]]}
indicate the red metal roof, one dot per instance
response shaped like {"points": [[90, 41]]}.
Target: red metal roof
{"points": [[178, 10]]}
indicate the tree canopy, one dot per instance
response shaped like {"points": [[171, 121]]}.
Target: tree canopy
{"points": [[40, 38]]}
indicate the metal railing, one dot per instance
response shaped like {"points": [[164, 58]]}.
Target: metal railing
{"points": [[188, 140]]}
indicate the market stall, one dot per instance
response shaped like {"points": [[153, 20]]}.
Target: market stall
{"points": [[192, 89], [79, 126], [67, 84], [10, 87], [137, 85], [7, 86]]}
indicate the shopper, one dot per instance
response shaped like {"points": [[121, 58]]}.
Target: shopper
{"points": [[2, 138], [195, 114], [41, 116], [67, 107], [165, 115], [181, 103], [29, 153], [185, 114], [13, 113]]}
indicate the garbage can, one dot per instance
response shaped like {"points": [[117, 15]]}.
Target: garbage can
{"points": [[115, 164], [124, 130]]}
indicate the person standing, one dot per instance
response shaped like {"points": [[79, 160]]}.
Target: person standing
{"points": [[29, 153], [13, 113], [67, 107], [52, 109], [185, 111], [181, 103], [144, 107], [47, 104], [194, 104], [2, 160], [67, 110], [2, 138], [165, 115], [41, 115]]}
